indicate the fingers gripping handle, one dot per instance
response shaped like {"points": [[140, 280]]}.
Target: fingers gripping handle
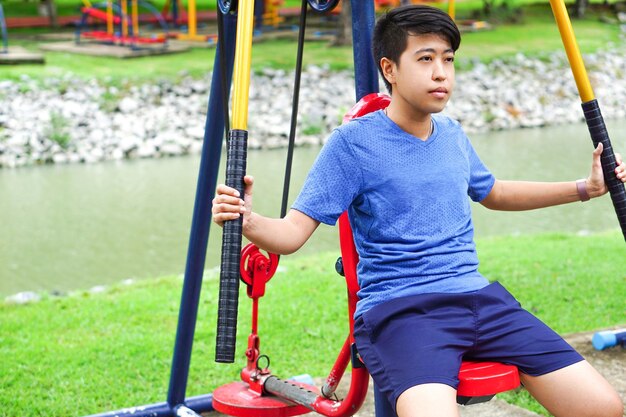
{"points": [[598, 132], [231, 252]]}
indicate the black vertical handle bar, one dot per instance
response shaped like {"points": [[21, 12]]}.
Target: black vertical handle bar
{"points": [[599, 134], [231, 252]]}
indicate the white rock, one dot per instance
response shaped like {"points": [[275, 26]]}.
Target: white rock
{"points": [[23, 298], [128, 105]]}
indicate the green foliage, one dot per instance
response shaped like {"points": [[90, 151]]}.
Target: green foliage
{"points": [[312, 130], [537, 36], [58, 131], [110, 99], [88, 353]]}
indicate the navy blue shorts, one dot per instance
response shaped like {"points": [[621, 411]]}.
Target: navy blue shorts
{"points": [[422, 339]]}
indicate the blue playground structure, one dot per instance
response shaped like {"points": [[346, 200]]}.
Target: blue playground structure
{"points": [[3, 32], [122, 25]]}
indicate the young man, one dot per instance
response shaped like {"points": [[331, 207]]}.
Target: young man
{"points": [[404, 175]]}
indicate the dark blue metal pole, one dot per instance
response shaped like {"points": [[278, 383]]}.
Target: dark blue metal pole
{"points": [[175, 12], [199, 404], [201, 220], [152, 410], [259, 9], [365, 70], [3, 32]]}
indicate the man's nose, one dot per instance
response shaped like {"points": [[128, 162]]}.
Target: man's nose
{"points": [[439, 71]]}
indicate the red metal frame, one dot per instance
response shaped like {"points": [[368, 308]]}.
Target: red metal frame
{"points": [[99, 14], [124, 40], [477, 379], [249, 398]]}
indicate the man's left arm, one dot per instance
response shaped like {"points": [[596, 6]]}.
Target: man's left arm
{"points": [[527, 195]]}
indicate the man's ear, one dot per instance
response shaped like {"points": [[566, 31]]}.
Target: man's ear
{"points": [[388, 69]]}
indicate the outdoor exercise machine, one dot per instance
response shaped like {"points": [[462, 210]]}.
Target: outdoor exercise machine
{"points": [[269, 15], [260, 393], [173, 13], [122, 23], [192, 25]]}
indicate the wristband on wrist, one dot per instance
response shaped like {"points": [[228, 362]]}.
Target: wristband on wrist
{"points": [[581, 187]]}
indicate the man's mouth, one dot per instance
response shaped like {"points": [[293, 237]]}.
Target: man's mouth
{"points": [[439, 92]]}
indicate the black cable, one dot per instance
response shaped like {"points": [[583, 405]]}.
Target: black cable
{"points": [[294, 108]]}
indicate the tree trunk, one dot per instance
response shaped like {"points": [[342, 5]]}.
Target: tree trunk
{"points": [[580, 7], [50, 11], [344, 28], [488, 7]]}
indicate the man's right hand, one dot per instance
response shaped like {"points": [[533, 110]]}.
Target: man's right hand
{"points": [[228, 204]]}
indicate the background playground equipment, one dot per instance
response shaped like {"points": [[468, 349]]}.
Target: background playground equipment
{"points": [[174, 13], [464, 25], [122, 27], [608, 339], [14, 55], [192, 26], [269, 14]]}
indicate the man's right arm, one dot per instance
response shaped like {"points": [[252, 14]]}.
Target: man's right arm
{"points": [[281, 236]]}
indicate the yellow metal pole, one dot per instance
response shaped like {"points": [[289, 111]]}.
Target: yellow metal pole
{"points": [[135, 16], [243, 58], [191, 18], [451, 9], [124, 18], [110, 17], [571, 48], [591, 110], [192, 25]]}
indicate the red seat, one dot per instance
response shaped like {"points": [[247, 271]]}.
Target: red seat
{"points": [[479, 381]]}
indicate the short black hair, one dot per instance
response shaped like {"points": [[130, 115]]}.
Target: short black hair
{"points": [[394, 27]]}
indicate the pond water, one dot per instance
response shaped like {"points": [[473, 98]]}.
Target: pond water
{"points": [[77, 226]]}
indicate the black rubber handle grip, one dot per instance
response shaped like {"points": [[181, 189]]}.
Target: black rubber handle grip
{"points": [[231, 252], [599, 134], [290, 391]]}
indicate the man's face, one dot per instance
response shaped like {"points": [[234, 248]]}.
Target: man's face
{"points": [[424, 77]]}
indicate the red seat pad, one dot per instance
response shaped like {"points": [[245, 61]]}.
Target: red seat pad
{"points": [[486, 378]]}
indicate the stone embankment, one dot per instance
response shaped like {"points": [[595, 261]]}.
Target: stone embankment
{"points": [[67, 120]]}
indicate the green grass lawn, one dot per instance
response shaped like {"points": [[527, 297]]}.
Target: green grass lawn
{"points": [[88, 353], [535, 35]]}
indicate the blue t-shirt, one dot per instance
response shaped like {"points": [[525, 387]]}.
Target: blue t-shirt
{"points": [[408, 205]]}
